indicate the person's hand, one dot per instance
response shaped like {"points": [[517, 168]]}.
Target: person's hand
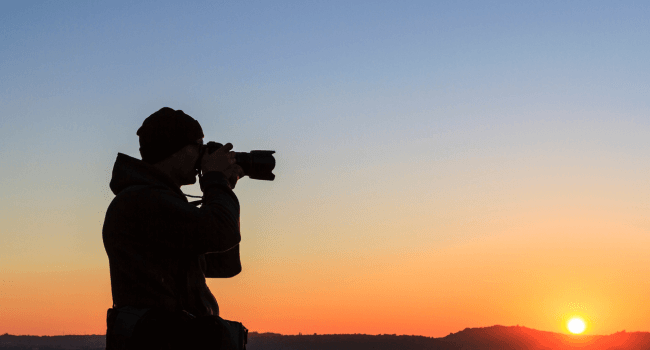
{"points": [[222, 160], [219, 160], [233, 173]]}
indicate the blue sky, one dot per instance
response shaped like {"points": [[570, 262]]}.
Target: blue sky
{"points": [[331, 86]]}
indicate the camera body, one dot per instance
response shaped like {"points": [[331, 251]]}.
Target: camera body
{"points": [[257, 165]]}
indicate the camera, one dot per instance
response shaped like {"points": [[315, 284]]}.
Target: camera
{"points": [[257, 165]]}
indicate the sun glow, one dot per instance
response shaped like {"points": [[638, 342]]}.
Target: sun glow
{"points": [[576, 325]]}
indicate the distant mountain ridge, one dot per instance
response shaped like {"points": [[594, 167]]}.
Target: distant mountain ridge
{"points": [[516, 337], [488, 338]]}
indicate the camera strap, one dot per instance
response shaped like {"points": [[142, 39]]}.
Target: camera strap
{"points": [[195, 203]]}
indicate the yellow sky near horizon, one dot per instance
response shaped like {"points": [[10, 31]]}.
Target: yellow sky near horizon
{"points": [[534, 263]]}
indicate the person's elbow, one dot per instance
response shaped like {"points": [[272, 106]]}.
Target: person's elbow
{"points": [[226, 269], [232, 271]]}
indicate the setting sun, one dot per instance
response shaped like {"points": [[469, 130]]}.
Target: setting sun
{"points": [[576, 325]]}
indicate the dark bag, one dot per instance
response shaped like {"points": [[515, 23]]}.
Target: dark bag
{"points": [[238, 333], [120, 325], [131, 328], [213, 332]]}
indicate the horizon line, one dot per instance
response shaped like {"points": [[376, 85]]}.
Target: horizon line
{"points": [[379, 334]]}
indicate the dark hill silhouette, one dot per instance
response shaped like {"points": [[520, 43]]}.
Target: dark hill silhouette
{"points": [[86, 342], [488, 338], [270, 341]]}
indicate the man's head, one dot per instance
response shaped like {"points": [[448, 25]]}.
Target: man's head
{"points": [[170, 140]]}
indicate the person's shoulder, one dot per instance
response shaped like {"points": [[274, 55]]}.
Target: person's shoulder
{"points": [[143, 201], [135, 191], [138, 194]]}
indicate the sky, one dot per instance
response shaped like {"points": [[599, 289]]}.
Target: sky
{"points": [[440, 165]]}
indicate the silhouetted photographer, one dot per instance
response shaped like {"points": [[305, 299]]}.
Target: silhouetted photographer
{"points": [[161, 247]]}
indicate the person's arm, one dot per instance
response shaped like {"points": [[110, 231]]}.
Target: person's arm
{"points": [[172, 224], [220, 204], [223, 265], [220, 174]]}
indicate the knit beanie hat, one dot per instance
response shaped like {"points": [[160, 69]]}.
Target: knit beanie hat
{"points": [[165, 133]]}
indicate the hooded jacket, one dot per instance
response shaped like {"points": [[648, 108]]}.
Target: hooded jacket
{"points": [[160, 247]]}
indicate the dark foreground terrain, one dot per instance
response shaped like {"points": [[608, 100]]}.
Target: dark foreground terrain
{"points": [[489, 338]]}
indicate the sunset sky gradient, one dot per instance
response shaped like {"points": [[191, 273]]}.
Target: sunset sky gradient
{"points": [[439, 165]]}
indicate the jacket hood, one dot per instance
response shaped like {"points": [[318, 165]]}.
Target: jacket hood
{"points": [[129, 171]]}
